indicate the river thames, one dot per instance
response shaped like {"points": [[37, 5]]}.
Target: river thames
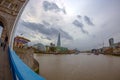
{"points": [[79, 67]]}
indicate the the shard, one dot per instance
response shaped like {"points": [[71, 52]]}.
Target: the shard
{"points": [[59, 41]]}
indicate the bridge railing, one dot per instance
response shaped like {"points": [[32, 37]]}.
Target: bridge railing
{"points": [[20, 70]]}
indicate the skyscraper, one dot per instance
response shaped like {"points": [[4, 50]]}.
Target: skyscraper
{"points": [[59, 42], [111, 41]]}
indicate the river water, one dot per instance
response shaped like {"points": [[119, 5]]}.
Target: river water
{"points": [[79, 67]]}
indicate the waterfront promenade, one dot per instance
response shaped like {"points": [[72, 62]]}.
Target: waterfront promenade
{"points": [[5, 73]]}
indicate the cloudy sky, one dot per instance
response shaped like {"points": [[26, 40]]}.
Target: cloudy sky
{"points": [[83, 24]]}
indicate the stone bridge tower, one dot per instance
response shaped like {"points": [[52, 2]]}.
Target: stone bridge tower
{"points": [[10, 11]]}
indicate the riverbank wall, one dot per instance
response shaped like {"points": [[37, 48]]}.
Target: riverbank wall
{"points": [[27, 56]]}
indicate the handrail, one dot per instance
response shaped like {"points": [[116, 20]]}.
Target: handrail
{"points": [[19, 69]]}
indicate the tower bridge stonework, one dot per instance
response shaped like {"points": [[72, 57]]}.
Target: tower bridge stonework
{"points": [[11, 67], [10, 11]]}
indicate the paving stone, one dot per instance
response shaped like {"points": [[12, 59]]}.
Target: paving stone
{"points": [[5, 73]]}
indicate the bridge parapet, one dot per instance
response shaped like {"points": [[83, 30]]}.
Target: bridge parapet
{"points": [[20, 70]]}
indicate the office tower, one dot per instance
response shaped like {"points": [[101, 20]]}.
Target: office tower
{"points": [[111, 41]]}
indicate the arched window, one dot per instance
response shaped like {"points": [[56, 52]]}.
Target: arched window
{"points": [[11, 6], [15, 7]]}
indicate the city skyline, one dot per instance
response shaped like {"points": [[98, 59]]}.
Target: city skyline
{"points": [[87, 25]]}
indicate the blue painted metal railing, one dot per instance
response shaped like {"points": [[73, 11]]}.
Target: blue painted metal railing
{"points": [[21, 71]]}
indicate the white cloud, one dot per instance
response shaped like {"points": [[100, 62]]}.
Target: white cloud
{"points": [[101, 23]]}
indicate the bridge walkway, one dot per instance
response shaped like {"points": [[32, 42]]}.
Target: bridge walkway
{"points": [[5, 73]]}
